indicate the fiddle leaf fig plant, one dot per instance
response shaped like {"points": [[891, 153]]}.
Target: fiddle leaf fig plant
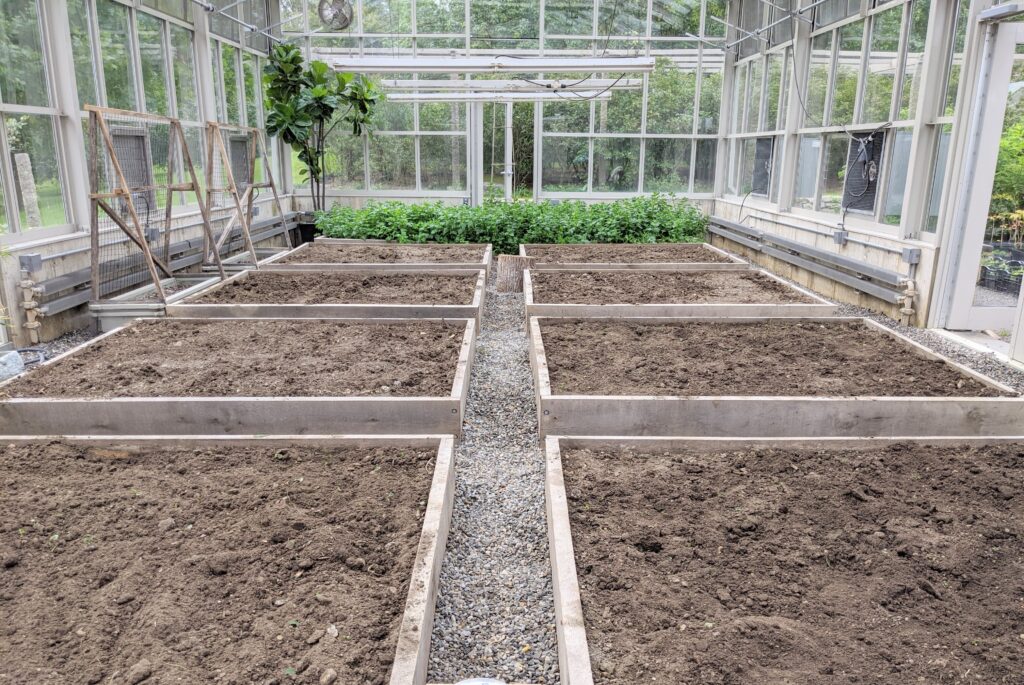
{"points": [[306, 103]]}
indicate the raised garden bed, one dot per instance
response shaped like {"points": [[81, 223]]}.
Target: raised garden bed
{"points": [[756, 378], [245, 376], [255, 559], [340, 256], [646, 256], [349, 294], [684, 561], [143, 302], [625, 293]]}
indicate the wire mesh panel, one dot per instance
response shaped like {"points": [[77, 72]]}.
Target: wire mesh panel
{"points": [[140, 167], [238, 173]]}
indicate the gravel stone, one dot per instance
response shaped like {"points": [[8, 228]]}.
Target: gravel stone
{"points": [[495, 612], [57, 346]]}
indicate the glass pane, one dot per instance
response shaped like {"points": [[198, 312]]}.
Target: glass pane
{"points": [[622, 18], [710, 101], [847, 76], [739, 97], [394, 116], [817, 87], [5, 226], [670, 98], [253, 90], [918, 32], [154, 69], [184, 73], [893, 211], [938, 179], [392, 162], [505, 24], [344, 163], [957, 57], [834, 172], [831, 11], [754, 95], [568, 17], [440, 16], [714, 18], [883, 60], [387, 16], [667, 165], [81, 50], [1002, 258], [221, 25], [443, 162], [175, 8], [564, 164], [807, 172], [22, 75], [621, 114], [36, 173], [229, 69], [616, 165], [679, 18], [773, 91], [494, 149], [704, 167], [443, 116], [567, 117], [115, 43]]}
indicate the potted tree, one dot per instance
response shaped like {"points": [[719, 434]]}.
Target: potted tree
{"points": [[305, 105]]}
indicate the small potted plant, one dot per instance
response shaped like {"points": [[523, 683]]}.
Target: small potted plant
{"points": [[305, 105]]}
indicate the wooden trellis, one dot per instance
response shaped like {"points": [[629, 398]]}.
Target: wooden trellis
{"points": [[222, 178], [117, 194]]}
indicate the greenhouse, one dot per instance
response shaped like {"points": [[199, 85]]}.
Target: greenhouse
{"points": [[493, 342]]}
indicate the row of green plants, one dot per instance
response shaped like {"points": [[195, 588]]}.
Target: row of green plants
{"points": [[646, 219]]}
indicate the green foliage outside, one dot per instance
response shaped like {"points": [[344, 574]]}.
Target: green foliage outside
{"points": [[655, 218]]}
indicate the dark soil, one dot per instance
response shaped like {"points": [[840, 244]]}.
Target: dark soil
{"points": [[889, 565], [214, 564], [661, 287], [795, 358], [269, 358], [600, 253], [343, 288], [335, 253]]}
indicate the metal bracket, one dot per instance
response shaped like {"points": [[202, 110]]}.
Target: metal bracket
{"points": [[840, 237], [30, 262], [912, 255]]}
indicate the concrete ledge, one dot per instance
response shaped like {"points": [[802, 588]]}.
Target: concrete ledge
{"points": [[774, 416], [818, 307], [242, 415], [414, 635], [191, 308], [734, 263], [274, 263]]}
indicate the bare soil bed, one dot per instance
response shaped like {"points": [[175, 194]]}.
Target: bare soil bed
{"points": [[770, 358], [342, 288], [624, 252], [225, 565], [660, 287], [328, 253], [886, 565], [267, 358]]}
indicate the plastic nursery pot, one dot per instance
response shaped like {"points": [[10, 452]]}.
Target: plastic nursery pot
{"points": [[307, 231]]}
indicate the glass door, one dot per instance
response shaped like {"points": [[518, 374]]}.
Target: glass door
{"points": [[988, 286], [497, 169]]}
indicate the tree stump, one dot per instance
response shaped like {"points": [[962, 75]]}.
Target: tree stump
{"points": [[510, 272]]}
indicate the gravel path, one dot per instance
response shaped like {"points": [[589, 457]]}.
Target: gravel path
{"points": [[495, 610]]}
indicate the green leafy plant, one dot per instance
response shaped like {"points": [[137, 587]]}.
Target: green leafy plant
{"points": [[305, 105], [648, 219]]}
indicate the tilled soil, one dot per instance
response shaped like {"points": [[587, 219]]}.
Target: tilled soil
{"points": [[342, 288], [661, 287], [788, 358], [889, 565], [327, 253], [267, 358], [600, 253], [228, 565]]}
